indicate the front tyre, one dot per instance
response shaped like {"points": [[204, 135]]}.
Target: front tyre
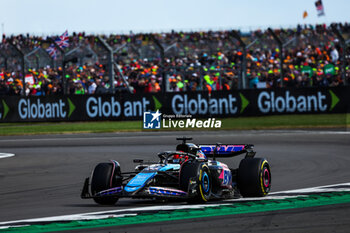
{"points": [[204, 183], [254, 177], [102, 179], [199, 172]]}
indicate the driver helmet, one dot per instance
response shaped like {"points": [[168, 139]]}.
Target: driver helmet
{"points": [[178, 158]]}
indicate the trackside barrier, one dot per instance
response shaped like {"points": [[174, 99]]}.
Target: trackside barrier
{"points": [[257, 102]]}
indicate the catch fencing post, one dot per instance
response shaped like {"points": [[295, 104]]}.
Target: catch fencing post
{"points": [[161, 49], [120, 71], [243, 75], [110, 62], [280, 45], [343, 46], [30, 54], [21, 54], [123, 77]]}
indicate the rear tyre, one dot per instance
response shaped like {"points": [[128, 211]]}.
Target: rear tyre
{"points": [[254, 177], [201, 174], [103, 177]]}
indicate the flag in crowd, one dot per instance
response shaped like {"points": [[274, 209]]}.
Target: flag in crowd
{"points": [[61, 41], [319, 8], [52, 51], [305, 14]]}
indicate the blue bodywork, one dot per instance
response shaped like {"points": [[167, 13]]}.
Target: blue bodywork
{"points": [[141, 179], [165, 179]]}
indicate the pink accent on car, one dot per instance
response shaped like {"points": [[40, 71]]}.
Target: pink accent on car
{"points": [[266, 182]]}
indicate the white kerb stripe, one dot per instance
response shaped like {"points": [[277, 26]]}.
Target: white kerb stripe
{"points": [[6, 155]]}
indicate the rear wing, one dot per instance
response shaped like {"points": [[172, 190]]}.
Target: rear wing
{"points": [[228, 150]]}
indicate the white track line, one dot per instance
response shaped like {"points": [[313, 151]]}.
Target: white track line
{"points": [[325, 188], [114, 213], [6, 155], [5, 227]]}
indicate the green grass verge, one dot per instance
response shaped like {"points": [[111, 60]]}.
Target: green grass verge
{"points": [[240, 123]]}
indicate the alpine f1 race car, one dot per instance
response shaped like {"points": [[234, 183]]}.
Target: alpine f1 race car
{"points": [[191, 172]]}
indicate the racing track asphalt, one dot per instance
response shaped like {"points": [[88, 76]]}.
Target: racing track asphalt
{"points": [[46, 175]]}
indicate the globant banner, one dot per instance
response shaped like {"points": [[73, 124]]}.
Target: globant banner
{"points": [[255, 102], [260, 102]]}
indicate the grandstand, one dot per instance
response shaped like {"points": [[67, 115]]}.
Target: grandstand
{"points": [[306, 56]]}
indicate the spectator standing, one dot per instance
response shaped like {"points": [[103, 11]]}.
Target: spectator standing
{"points": [[334, 55], [91, 87], [100, 89]]}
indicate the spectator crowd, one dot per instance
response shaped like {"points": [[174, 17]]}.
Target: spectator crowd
{"points": [[193, 61]]}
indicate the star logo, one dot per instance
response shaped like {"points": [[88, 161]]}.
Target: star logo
{"points": [[151, 120], [156, 115]]}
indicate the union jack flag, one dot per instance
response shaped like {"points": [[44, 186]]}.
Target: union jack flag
{"points": [[52, 51], [62, 41], [319, 8]]}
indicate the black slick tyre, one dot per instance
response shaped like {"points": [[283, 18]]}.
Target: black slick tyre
{"points": [[102, 179], [201, 174], [204, 183], [187, 171], [254, 177]]}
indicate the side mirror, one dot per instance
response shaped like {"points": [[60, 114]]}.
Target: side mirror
{"points": [[140, 167]]}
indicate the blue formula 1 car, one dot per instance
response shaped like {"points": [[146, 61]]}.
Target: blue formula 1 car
{"points": [[185, 173]]}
